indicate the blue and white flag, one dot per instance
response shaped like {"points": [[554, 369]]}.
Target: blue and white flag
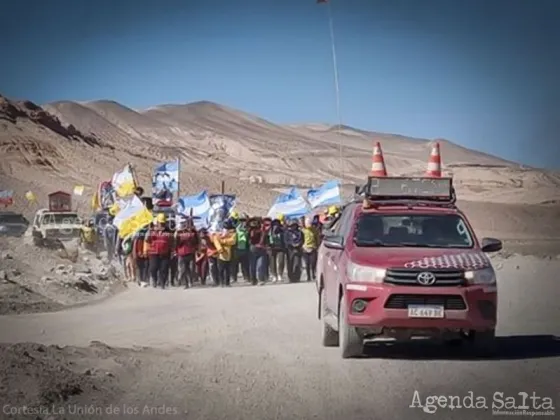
{"points": [[291, 205], [327, 194], [221, 206], [199, 205], [165, 181]]}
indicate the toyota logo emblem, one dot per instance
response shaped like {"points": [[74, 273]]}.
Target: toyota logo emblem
{"points": [[426, 278]]}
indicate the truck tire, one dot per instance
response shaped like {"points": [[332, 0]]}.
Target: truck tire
{"points": [[484, 343], [329, 337], [351, 344]]}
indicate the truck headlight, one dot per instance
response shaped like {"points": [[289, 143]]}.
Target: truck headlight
{"points": [[364, 274], [486, 276]]}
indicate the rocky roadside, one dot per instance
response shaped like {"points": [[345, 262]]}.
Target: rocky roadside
{"points": [[42, 280]]}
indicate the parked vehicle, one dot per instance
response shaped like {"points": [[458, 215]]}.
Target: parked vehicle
{"points": [[12, 224], [57, 223]]}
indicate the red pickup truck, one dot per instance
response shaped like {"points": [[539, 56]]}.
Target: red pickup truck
{"points": [[403, 262]]}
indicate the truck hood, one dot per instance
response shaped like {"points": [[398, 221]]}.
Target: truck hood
{"points": [[461, 259]]}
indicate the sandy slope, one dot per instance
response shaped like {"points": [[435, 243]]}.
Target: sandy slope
{"points": [[255, 157]]}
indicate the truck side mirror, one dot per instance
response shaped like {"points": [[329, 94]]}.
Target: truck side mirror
{"points": [[491, 245]]}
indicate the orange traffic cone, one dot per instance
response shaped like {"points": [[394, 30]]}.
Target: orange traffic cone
{"points": [[434, 163], [377, 162]]}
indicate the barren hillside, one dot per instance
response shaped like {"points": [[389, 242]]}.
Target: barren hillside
{"points": [[67, 143]]}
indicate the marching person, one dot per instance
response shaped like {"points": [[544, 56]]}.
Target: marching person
{"points": [[234, 220], [110, 237], [316, 223], [186, 244], [310, 245], [277, 249], [88, 236], [257, 251], [160, 240], [127, 259], [225, 243], [171, 225], [202, 255], [140, 256], [241, 255], [212, 255], [267, 224], [294, 243]]}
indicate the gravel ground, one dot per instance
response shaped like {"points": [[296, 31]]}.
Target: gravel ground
{"points": [[254, 352]]}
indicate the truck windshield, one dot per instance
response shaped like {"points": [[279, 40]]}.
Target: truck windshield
{"points": [[421, 231], [60, 219]]}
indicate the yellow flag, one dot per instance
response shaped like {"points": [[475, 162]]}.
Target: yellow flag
{"points": [[132, 217], [95, 204], [30, 196], [123, 182], [79, 190]]}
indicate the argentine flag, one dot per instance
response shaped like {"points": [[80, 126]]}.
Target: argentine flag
{"points": [[327, 194], [291, 205], [166, 177], [200, 205]]}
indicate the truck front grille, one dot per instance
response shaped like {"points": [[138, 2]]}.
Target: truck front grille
{"points": [[449, 302], [408, 277], [63, 234]]}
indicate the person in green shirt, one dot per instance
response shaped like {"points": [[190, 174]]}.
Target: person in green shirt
{"points": [[241, 253]]}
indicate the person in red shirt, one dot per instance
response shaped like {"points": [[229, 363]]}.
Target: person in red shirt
{"points": [[201, 256], [186, 244], [160, 242], [140, 256]]}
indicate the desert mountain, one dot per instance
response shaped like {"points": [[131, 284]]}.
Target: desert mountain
{"points": [[66, 143]]}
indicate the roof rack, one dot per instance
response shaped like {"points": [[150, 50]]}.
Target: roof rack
{"points": [[407, 191]]}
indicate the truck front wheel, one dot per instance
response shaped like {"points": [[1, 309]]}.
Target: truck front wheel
{"points": [[329, 336], [351, 344]]}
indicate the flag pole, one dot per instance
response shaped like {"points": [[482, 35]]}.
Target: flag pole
{"points": [[178, 178], [336, 86]]}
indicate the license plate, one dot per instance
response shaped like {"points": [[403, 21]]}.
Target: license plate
{"points": [[425, 311]]}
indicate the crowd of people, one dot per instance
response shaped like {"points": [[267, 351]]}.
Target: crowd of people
{"points": [[255, 249]]}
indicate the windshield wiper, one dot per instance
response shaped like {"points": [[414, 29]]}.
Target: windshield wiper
{"points": [[418, 245], [378, 243], [372, 243]]}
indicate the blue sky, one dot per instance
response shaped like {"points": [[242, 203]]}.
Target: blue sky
{"points": [[480, 73]]}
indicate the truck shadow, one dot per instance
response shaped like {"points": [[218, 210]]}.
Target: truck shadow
{"points": [[516, 347]]}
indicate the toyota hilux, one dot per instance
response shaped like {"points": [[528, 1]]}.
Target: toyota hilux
{"points": [[402, 262]]}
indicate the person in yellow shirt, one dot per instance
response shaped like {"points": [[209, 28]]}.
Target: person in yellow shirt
{"points": [[225, 242], [88, 237], [310, 245]]}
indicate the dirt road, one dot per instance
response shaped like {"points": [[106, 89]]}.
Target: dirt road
{"points": [[255, 353]]}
